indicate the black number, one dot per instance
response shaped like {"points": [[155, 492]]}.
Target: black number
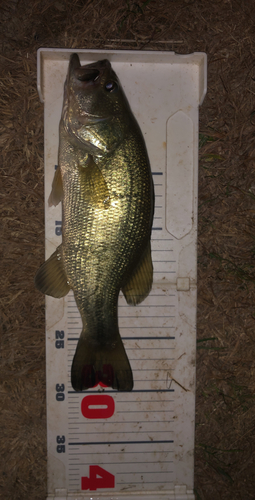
{"points": [[59, 344], [61, 448], [60, 387], [59, 334], [61, 439], [60, 396], [58, 228]]}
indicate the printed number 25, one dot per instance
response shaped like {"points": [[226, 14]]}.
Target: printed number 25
{"points": [[98, 478]]}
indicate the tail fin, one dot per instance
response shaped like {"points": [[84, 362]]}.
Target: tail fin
{"points": [[93, 364]]}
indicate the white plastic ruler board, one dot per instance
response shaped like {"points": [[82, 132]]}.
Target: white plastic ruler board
{"points": [[104, 444]]}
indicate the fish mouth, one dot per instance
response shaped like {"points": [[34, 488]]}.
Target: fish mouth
{"points": [[82, 81], [89, 74]]}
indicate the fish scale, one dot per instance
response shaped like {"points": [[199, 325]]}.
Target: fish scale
{"points": [[112, 265], [78, 221]]}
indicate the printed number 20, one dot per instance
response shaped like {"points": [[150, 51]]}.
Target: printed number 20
{"points": [[98, 478]]}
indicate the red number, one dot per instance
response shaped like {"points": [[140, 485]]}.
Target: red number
{"points": [[98, 400], [104, 377], [98, 478], [101, 383]]}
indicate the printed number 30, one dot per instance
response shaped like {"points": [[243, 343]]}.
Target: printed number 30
{"points": [[98, 478]]}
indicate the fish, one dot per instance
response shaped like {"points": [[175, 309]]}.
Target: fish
{"points": [[104, 183]]}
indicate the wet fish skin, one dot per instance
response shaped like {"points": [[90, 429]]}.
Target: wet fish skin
{"points": [[105, 185]]}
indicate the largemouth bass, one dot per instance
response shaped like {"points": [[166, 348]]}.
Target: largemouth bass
{"points": [[105, 185]]}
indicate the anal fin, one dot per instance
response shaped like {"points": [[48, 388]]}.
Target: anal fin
{"points": [[139, 284], [51, 278]]}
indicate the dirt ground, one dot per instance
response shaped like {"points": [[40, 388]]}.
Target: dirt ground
{"points": [[225, 411]]}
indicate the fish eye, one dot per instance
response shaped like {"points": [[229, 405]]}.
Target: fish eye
{"points": [[111, 86]]}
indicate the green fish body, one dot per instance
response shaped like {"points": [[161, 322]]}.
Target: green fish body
{"points": [[105, 185]]}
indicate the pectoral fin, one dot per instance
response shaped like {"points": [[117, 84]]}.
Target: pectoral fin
{"points": [[139, 284], [56, 194], [51, 277], [96, 190]]}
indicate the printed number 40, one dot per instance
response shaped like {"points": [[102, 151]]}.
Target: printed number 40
{"points": [[98, 478]]}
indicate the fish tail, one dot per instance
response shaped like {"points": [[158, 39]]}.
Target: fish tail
{"points": [[93, 364]]}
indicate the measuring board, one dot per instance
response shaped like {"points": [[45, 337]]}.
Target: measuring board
{"points": [[104, 444]]}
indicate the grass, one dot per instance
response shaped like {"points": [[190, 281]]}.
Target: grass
{"points": [[204, 139], [133, 10], [199, 341], [244, 272], [214, 459]]}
